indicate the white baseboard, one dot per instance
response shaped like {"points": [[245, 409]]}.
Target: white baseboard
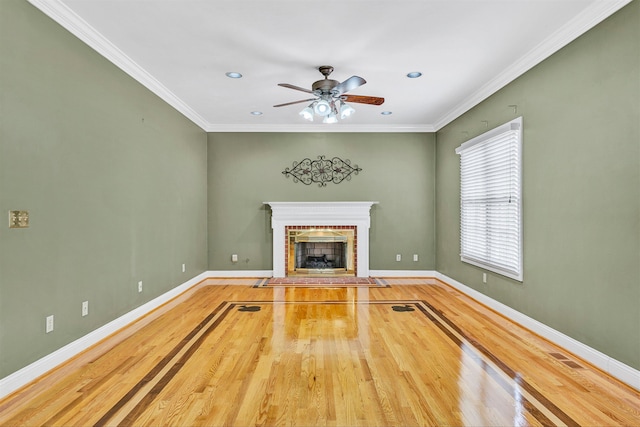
{"points": [[269, 273], [613, 367], [239, 273], [29, 373], [41, 366], [402, 273]]}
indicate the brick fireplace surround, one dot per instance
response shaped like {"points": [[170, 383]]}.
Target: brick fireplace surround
{"points": [[320, 214]]}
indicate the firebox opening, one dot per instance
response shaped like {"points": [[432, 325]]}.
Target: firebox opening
{"points": [[320, 255], [321, 252]]}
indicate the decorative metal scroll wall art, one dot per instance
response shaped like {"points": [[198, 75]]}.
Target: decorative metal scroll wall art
{"points": [[322, 171]]}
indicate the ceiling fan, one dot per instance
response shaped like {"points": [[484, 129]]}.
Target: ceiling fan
{"points": [[330, 98]]}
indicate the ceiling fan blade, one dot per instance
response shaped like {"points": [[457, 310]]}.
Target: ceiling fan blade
{"points": [[296, 102], [294, 87], [371, 100], [349, 84]]}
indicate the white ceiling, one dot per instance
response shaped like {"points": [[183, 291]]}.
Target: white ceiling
{"points": [[466, 50]]}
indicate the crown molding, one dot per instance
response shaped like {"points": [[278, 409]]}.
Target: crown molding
{"points": [[77, 26], [590, 17], [597, 12], [325, 128]]}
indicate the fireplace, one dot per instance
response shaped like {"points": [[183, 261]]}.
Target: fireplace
{"points": [[319, 221], [320, 250]]}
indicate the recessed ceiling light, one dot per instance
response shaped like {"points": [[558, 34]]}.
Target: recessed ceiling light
{"points": [[414, 74], [386, 113], [256, 113], [233, 75]]}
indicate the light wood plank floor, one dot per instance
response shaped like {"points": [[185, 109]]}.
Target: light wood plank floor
{"points": [[400, 352]]}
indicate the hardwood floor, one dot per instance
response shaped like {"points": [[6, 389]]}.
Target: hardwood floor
{"points": [[240, 352]]}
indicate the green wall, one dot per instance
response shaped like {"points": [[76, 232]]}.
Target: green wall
{"points": [[581, 112], [245, 169], [114, 181]]}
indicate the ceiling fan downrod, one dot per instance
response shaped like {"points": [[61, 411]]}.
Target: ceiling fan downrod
{"points": [[323, 87]]}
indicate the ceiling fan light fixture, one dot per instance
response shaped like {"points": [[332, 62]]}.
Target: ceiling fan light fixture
{"points": [[329, 102], [307, 113], [331, 118], [322, 107], [346, 110]]}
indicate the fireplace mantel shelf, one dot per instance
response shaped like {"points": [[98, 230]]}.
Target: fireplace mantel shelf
{"points": [[320, 213]]}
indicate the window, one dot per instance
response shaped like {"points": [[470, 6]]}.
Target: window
{"points": [[491, 200]]}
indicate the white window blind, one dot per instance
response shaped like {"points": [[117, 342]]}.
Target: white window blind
{"points": [[491, 200]]}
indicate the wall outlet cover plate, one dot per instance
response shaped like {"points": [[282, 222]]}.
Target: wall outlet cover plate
{"points": [[18, 219]]}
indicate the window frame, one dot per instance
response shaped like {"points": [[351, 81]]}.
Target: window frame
{"points": [[511, 130]]}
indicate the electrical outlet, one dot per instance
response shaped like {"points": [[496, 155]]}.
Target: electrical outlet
{"points": [[484, 277], [234, 258], [415, 257], [85, 308], [140, 286], [398, 257], [184, 268], [49, 324]]}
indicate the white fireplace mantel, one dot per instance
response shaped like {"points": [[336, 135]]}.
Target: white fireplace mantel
{"points": [[320, 213]]}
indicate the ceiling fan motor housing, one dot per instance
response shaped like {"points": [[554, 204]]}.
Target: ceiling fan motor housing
{"points": [[324, 86]]}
